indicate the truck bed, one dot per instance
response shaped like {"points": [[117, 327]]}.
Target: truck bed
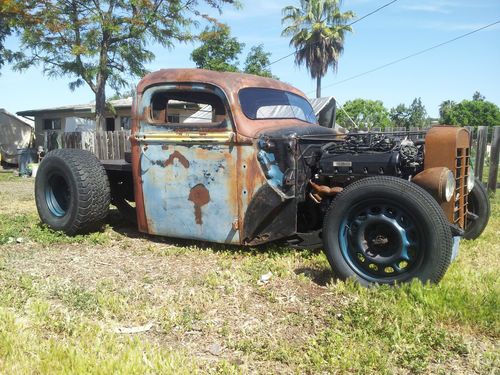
{"points": [[117, 165]]}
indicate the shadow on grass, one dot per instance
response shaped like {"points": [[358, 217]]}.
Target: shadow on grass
{"points": [[273, 249], [321, 277]]}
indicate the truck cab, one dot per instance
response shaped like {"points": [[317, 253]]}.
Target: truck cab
{"points": [[209, 176]]}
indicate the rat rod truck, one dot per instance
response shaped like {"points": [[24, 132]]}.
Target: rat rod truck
{"points": [[240, 159]]}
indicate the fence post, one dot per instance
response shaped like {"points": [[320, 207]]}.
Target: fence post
{"points": [[482, 139], [495, 148]]}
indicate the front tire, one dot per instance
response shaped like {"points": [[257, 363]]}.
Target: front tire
{"points": [[386, 230], [72, 191], [479, 206]]}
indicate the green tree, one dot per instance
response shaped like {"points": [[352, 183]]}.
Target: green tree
{"points": [[257, 62], [317, 30], [10, 12], [444, 111], [477, 96], [365, 113], [4, 32], [418, 114], [219, 51], [414, 115], [475, 112], [400, 116], [102, 43]]}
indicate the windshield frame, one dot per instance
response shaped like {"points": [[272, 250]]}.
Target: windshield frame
{"points": [[298, 98]]}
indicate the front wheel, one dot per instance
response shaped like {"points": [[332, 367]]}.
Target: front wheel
{"points": [[479, 210], [386, 230]]}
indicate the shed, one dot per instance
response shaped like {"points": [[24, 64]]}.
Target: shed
{"points": [[15, 133], [325, 110]]}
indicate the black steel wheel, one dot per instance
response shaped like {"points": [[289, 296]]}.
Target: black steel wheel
{"points": [[72, 191], [386, 230], [479, 210]]}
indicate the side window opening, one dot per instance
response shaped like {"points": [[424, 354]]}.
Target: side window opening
{"points": [[187, 108]]}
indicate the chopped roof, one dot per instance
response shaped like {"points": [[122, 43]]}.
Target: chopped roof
{"points": [[229, 82]]}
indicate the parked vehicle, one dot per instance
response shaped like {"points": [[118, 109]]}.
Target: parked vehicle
{"points": [[251, 165]]}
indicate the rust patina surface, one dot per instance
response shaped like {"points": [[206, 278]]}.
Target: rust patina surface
{"points": [[448, 146]]}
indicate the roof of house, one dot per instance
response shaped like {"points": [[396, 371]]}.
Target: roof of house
{"points": [[23, 120], [319, 104], [78, 108]]}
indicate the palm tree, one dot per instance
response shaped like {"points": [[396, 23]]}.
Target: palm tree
{"points": [[445, 109], [317, 29]]}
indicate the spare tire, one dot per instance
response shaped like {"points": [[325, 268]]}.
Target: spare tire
{"points": [[72, 191]]}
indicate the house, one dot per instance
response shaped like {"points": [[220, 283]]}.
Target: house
{"points": [[81, 118], [15, 133], [77, 118]]}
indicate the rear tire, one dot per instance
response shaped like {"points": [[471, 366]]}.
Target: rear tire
{"points": [[72, 191], [479, 205], [386, 230]]}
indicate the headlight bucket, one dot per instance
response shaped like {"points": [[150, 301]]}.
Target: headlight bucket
{"points": [[439, 182], [450, 186], [471, 180]]}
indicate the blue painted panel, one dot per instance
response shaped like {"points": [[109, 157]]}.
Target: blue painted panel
{"points": [[190, 191]]}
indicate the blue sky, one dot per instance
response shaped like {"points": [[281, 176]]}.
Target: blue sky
{"points": [[454, 71]]}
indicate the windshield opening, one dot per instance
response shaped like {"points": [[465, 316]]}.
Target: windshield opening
{"points": [[265, 104]]}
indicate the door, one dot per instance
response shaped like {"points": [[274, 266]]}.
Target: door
{"points": [[188, 163]]}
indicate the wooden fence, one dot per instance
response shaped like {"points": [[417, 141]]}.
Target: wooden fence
{"points": [[485, 153], [105, 145]]}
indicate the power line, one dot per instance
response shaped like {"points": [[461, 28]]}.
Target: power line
{"points": [[410, 56], [339, 105], [348, 25], [373, 12]]}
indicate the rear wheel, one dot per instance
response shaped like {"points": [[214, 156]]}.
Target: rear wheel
{"points": [[387, 230], [72, 191], [479, 210]]}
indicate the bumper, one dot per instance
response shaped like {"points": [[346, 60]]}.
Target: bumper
{"points": [[456, 243]]}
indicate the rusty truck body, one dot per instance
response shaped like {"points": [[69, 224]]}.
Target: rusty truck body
{"points": [[251, 166]]}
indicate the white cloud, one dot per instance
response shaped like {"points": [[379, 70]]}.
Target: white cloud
{"points": [[430, 8], [464, 26], [256, 9], [445, 6]]}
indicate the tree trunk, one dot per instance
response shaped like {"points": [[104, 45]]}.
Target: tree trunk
{"points": [[100, 105], [102, 77], [318, 87]]}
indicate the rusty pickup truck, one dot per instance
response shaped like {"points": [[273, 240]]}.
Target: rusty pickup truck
{"points": [[239, 159]]}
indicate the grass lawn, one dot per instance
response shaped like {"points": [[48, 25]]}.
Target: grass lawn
{"points": [[66, 305]]}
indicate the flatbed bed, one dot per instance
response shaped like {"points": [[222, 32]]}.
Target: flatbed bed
{"points": [[117, 165]]}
